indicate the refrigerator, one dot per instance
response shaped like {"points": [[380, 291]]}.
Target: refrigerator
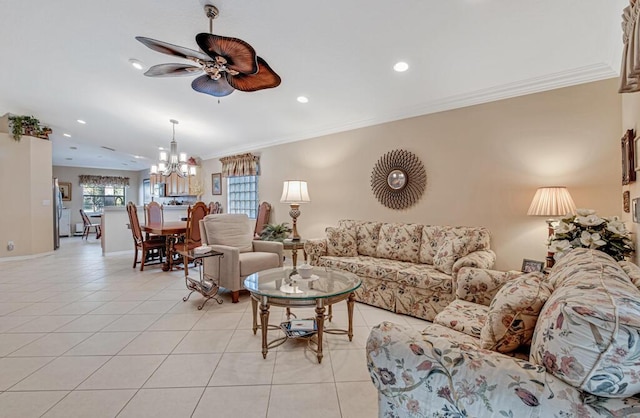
{"points": [[57, 213]]}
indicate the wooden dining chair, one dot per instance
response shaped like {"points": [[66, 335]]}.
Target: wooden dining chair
{"points": [[148, 247], [88, 225], [192, 237], [153, 213], [264, 214]]}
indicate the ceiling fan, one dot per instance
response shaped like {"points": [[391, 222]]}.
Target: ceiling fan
{"points": [[228, 63]]}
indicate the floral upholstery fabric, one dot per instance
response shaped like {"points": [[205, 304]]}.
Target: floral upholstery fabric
{"points": [[513, 313], [341, 242], [480, 285], [632, 270], [457, 243], [397, 253], [463, 316], [441, 373], [588, 333], [400, 242], [367, 234], [315, 248]]}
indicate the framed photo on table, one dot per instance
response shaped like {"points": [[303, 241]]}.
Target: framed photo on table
{"points": [[65, 190], [529, 266], [216, 183]]}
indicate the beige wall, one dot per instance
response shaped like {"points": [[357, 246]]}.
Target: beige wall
{"points": [[26, 214], [483, 166], [631, 120], [70, 174]]}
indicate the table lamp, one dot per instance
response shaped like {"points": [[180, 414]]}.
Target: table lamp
{"points": [[294, 192], [551, 201]]}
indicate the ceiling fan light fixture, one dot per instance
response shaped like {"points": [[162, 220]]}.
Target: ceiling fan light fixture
{"points": [[401, 66], [228, 63]]}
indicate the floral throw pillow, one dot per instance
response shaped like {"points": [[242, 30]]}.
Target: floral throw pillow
{"points": [[341, 242], [513, 313]]}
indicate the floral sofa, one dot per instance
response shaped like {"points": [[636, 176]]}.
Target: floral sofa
{"points": [[583, 326], [405, 268]]}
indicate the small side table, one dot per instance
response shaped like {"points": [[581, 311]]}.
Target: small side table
{"points": [[294, 246], [207, 288]]}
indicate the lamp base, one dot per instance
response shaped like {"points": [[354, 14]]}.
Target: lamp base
{"points": [[294, 213]]}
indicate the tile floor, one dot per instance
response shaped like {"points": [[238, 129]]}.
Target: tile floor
{"points": [[82, 335]]}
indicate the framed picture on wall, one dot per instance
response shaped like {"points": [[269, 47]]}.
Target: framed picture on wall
{"points": [[627, 145], [216, 183], [65, 190]]}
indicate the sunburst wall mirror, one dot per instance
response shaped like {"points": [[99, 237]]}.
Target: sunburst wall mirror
{"points": [[398, 179]]}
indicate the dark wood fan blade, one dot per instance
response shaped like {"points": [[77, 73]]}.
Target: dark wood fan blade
{"points": [[218, 88], [240, 55], [172, 70], [265, 78], [169, 49]]}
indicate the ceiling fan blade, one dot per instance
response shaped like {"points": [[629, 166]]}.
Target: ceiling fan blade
{"points": [[172, 70], [175, 50], [217, 88], [240, 55], [265, 78]]}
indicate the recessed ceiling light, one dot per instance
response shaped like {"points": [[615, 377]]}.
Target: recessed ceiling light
{"points": [[80, 121], [160, 148], [302, 99], [138, 156], [67, 135], [401, 66], [136, 64]]}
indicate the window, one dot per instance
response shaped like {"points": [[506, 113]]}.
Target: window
{"points": [[95, 198], [242, 195]]}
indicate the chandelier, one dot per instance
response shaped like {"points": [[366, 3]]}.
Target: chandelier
{"points": [[173, 162]]}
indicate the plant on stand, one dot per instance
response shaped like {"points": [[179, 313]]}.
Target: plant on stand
{"points": [[275, 232], [588, 230]]}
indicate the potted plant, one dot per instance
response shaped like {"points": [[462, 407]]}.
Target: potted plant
{"points": [[588, 230], [275, 232], [27, 125]]}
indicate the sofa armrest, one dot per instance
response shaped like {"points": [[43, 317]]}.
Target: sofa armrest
{"points": [[483, 259], [315, 248], [226, 268], [269, 247], [419, 374], [480, 285]]}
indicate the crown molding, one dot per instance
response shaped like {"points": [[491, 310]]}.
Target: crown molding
{"points": [[553, 81]]}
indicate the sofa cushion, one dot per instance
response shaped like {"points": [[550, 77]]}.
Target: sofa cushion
{"points": [[232, 229], [632, 270], [463, 316], [423, 276], [513, 313], [363, 266], [399, 242], [458, 242], [341, 242], [432, 239], [367, 235], [588, 333]]}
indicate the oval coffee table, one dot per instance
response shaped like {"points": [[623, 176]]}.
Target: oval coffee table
{"points": [[269, 287]]}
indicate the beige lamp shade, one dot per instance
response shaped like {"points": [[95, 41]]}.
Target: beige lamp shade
{"points": [[552, 201], [295, 191]]}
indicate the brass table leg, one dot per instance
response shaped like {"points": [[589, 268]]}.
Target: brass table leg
{"points": [[254, 309], [350, 304], [294, 257], [320, 309], [264, 323]]}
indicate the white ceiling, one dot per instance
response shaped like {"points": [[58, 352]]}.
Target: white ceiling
{"points": [[68, 59]]}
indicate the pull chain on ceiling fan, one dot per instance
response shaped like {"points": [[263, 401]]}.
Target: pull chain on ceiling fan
{"points": [[228, 63]]}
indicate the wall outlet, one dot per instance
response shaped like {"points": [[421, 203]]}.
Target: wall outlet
{"points": [[10, 246]]}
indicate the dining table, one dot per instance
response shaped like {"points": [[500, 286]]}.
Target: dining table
{"points": [[172, 231]]}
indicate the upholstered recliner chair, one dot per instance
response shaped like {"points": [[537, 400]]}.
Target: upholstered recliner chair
{"points": [[232, 235]]}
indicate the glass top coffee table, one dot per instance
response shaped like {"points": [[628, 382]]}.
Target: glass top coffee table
{"points": [[324, 288]]}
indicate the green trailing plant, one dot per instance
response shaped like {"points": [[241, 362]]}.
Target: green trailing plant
{"points": [[275, 232], [27, 125]]}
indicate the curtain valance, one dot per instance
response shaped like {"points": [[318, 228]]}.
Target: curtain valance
{"points": [[240, 165], [630, 71], [103, 181]]}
